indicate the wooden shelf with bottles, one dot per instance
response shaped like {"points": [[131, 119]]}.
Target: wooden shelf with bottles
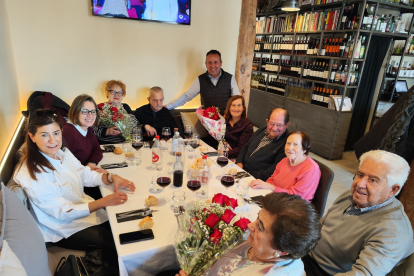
{"points": [[357, 32]]}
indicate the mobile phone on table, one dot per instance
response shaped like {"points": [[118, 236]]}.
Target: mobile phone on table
{"points": [[136, 236]]}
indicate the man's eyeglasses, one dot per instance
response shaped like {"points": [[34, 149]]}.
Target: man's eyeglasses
{"points": [[277, 125], [118, 93], [86, 111]]}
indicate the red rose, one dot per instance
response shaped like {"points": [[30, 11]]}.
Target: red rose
{"points": [[101, 105], [120, 116], [242, 223], [208, 109], [114, 109], [216, 117], [205, 210], [219, 198], [213, 109], [212, 220], [114, 118], [227, 216], [232, 202], [215, 237]]}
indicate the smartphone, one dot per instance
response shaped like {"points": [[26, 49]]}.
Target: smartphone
{"points": [[136, 236]]}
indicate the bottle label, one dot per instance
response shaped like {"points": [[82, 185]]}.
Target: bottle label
{"points": [[332, 76], [305, 72], [155, 157], [323, 52], [326, 99]]}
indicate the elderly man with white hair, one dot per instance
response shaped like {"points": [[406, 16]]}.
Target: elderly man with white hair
{"points": [[366, 231]]}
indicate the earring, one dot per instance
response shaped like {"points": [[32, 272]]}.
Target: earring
{"points": [[276, 255]]}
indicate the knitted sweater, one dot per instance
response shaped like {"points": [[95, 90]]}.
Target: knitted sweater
{"points": [[369, 244], [301, 179]]}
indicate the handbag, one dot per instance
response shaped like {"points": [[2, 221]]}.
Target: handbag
{"points": [[72, 266]]}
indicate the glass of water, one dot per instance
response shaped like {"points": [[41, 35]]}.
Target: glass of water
{"points": [[178, 198], [242, 188]]}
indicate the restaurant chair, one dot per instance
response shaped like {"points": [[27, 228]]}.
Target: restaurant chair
{"points": [[321, 193], [405, 269]]}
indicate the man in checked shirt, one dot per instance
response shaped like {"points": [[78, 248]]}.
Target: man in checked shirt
{"points": [[366, 231], [266, 147]]}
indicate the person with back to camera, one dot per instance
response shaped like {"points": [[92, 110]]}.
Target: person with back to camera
{"points": [[366, 231], [265, 148], [214, 86], [53, 180], [239, 129], [296, 174], [286, 229], [115, 92], [79, 138]]}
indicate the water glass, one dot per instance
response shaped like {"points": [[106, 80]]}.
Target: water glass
{"points": [[137, 158], [126, 146], [178, 198], [153, 187], [242, 188]]}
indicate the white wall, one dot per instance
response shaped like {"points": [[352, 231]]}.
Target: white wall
{"points": [[61, 48], [9, 95]]}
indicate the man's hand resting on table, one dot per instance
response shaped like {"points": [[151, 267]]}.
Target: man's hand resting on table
{"points": [[150, 131], [182, 273], [240, 165]]}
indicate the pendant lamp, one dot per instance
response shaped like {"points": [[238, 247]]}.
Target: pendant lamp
{"points": [[291, 5]]}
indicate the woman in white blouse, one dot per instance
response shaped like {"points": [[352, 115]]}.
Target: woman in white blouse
{"points": [[53, 180]]}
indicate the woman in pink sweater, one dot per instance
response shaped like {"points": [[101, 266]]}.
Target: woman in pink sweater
{"points": [[297, 173]]}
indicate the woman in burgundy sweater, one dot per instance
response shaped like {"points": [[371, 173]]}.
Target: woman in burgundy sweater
{"points": [[295, 174], [79, 138], [239, 129]]}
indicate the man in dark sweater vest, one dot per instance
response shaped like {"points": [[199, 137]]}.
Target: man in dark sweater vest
{"points": [[266, 147], [215, 86], [366, 231], [154, 116]]}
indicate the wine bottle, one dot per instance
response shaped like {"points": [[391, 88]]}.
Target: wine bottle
{"points": [[357, 48], [342, 46], [362, 49]]}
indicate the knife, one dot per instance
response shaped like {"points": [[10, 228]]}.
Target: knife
{"points": [[143, 214]]}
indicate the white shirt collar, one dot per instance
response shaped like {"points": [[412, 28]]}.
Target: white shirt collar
{"points": [[60, 155], [83, 132]]}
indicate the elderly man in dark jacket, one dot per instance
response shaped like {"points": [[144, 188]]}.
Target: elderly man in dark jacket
{"points": [[154, 116], [266, 148]]}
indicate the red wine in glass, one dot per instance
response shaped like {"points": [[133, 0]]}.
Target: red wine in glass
{"points": [[166, 136], [227, 181], [193, 185], [137, 145], [188, 134], [194, 145], [163, 181], [222, 161]]}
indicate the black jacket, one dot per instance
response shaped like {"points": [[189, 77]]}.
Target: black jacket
{"points": [[158, 120], [262, 163]]}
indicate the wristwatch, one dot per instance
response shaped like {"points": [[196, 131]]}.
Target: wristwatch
{"points": [[109, 177]]}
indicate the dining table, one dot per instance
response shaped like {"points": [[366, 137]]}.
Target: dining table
{"points": [[149, 257]]}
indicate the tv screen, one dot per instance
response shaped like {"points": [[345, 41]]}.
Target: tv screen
{"points": [[167, 11]]}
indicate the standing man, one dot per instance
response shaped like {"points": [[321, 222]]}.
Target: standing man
{"points": [[154, 116], [215, 86], [266, 147]]}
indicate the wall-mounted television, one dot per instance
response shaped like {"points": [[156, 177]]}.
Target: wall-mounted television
{"points": [[165, 11]]}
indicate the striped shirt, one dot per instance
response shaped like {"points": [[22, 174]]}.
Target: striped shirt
{"points": [[355, 211], [265, 141]]}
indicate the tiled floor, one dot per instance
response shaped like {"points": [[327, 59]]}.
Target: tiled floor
{"points": [[344, 170]]}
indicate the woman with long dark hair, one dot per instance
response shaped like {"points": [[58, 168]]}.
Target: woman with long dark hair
{"points": [[53, 180]]}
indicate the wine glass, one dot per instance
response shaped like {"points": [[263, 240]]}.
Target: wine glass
{"points": [[166, 133], [193, 184], [137, 141], [222, 160], [188, 134], [227, 180], [163, 180], [194, 142]]}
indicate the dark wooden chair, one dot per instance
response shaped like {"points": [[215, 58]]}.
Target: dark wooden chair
{"points": [[321, 193]]}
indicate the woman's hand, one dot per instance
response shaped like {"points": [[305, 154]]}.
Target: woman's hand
{"points": [[91, 165], [112, 131], [115, 199], [182, 273], [150, 130], [260, 184], [122, 182]]}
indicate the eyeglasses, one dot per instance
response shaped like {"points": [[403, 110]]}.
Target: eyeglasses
{"points": [[86, 111], [118, 93], [277, 125]]}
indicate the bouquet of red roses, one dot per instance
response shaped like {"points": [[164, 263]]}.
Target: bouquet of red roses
{"points": [[111, 116], [211, 119], [207, 231]]}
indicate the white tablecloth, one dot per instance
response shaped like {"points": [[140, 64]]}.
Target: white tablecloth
{"points": [[147, 258]]}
